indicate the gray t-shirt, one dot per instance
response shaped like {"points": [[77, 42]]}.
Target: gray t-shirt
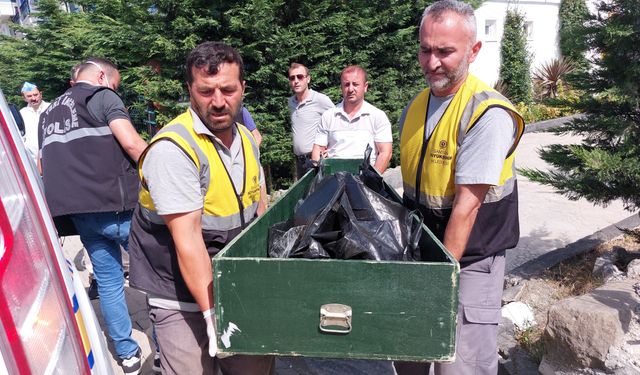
{"points": [[481, 154], [173, 179], [305, 118], [106, 106]]}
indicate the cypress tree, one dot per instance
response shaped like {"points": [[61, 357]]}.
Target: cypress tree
{"points": [[606, 165], [515, 59], [573, 15]]}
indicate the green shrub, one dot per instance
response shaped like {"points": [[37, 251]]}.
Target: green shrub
{"points": [[535, 112]]}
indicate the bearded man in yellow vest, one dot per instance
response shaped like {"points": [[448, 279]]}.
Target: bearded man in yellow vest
{"points": [[457, 145], [202, 183]]}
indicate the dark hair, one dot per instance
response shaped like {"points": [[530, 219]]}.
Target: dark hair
{"points": [[74, 71], [209, 56]]}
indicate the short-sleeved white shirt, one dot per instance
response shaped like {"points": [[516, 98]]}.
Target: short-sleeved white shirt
{"points": [[348, 138]]}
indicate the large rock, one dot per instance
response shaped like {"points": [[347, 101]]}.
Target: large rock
{"points": [[633, 269], [581, 330]]}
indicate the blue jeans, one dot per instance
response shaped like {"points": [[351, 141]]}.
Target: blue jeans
{"points": [[102, 234]]}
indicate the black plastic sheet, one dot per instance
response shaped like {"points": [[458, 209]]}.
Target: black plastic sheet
{"points": [[343, 218]]}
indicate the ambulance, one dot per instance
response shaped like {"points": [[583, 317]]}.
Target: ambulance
{"points": [[48, 325]]}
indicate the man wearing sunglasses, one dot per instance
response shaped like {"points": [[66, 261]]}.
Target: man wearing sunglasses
{"points": [[89, 151], [306, 107]]}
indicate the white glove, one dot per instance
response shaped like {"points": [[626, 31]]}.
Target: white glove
{"points": [[210, 319]]}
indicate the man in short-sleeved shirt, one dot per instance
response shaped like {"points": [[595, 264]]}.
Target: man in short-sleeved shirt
{"points": [[89, 150], [202, 184], [458, 170], [346, 130], [306, 107]]}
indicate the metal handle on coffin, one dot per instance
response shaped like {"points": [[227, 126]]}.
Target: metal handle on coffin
{"points": [[335, 315]]}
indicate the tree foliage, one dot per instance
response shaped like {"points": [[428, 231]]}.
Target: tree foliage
{"points": [[573, 15], [515, 59], [149, 40], [606, 165]]}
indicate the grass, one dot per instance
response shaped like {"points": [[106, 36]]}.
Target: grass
{"points": [[531, 339], [574, 276]]}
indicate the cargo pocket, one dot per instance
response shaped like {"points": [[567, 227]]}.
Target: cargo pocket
{"points": [[477, 335]]}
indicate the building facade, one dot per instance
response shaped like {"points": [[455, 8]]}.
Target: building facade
{"points": [[23, 12], [541, 26]]}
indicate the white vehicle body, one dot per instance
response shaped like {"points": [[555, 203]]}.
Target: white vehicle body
{"points": [[47, 323]]}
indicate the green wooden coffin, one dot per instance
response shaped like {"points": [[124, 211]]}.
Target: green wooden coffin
{"points": [[333, 308]]}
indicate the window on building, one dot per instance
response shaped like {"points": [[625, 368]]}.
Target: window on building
{"points": [[528, 29], [490, 31]]}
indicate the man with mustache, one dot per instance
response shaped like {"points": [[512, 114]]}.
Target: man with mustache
{"points": [[457, 143], [346, 130], [31, 116], [201, 185]]}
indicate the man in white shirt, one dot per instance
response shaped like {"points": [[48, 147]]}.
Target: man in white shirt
{"points": [[346, 130], [31, 116]]}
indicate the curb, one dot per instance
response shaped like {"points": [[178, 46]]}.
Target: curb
{"points": [[548, 124], [536, 266]]}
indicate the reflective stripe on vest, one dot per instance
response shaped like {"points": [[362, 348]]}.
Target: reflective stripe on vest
{"points": [[77, 134], [428, 170], [222, 204]]}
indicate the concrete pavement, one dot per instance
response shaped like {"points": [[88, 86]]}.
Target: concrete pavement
{"points": [[552, 228]]}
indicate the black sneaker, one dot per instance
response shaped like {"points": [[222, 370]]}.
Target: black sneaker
{"points": [[132, 364], [93, 290], [156, 363]]}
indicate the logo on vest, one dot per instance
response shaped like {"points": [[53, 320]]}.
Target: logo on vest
{"points": [[441, 156], [254, 190], [70, 118]]}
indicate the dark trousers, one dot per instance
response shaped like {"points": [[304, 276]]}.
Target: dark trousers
{"points": [[301, 160]]}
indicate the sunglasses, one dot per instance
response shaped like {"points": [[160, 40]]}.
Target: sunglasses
{"points": [[300, 77]]}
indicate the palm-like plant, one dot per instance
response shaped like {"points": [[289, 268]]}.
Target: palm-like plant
{"points": [[549, 77], [501, 87]]}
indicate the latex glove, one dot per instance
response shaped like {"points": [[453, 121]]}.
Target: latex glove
{"points": [[210, 319]]}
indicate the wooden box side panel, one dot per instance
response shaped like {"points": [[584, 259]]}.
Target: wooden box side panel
{"points": [[402, 311]]}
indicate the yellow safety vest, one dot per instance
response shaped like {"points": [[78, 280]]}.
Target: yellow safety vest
{"points": [[222, 204], [428, 168], [154, 267], [436, 159]]}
